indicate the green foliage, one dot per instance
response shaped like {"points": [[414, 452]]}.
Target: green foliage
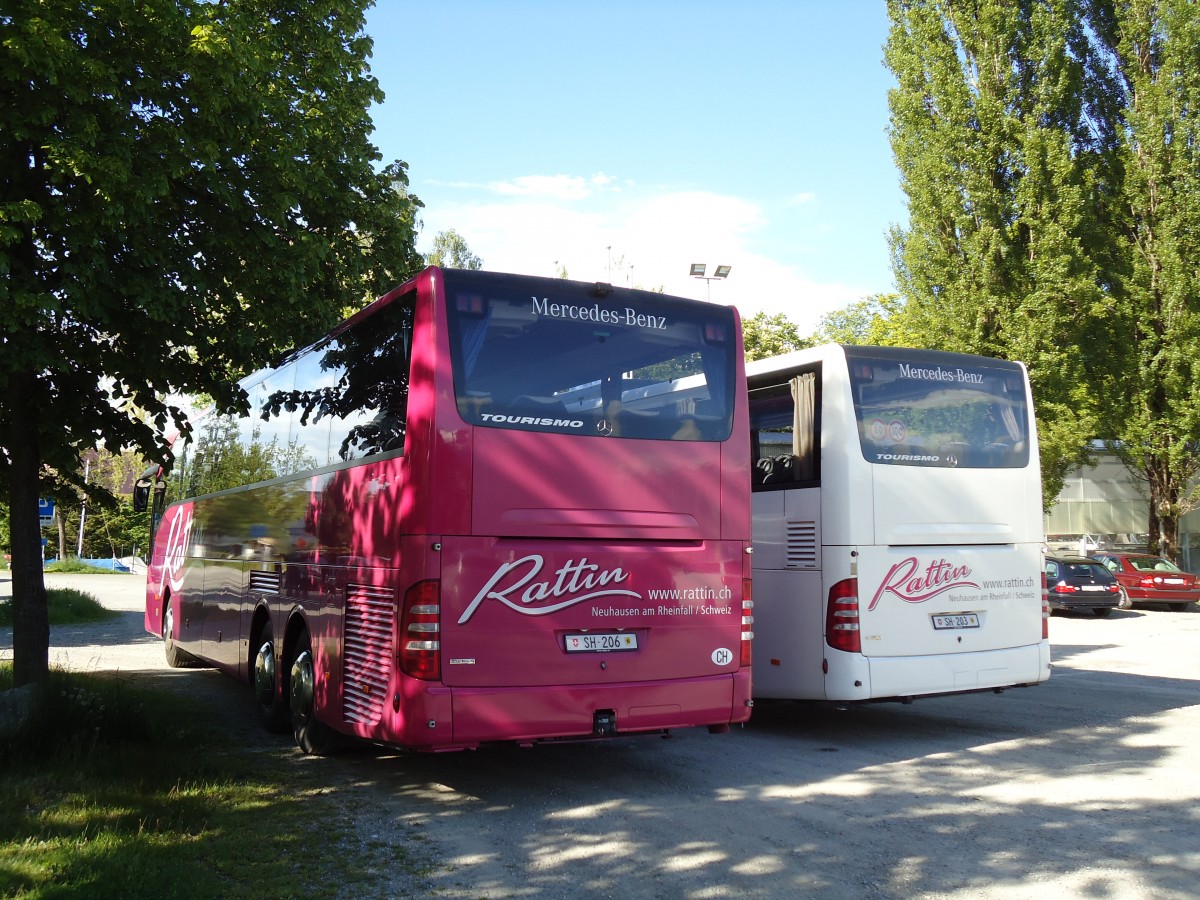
{"points": [[450, 250], [1002, 126], [875, 321], [187, 188], [765, 336], [1050, 153], [1155, 48], [199, 179], [111, 527]]}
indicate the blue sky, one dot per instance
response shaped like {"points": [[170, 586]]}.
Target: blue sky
{"points": [[627, 140]]}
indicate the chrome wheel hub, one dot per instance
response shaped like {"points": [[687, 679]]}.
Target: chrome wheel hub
{"points": [[302, 679], [264, 673]]}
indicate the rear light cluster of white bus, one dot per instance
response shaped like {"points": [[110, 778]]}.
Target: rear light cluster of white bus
{"points": [[1045, 610], [747, 623], [841, 620], [420, 632]]}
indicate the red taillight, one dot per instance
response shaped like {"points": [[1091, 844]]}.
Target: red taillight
{"points": [[1147, 581], [1063, 588], [1045, 611], [841, 622], [747, 623], [420, 632]]}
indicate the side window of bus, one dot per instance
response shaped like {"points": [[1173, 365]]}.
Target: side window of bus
{"points": [[350, 397], [311, 426], [785, 435], [270, 431]]}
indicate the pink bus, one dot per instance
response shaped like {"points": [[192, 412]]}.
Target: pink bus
{"points": [[486, 508]]}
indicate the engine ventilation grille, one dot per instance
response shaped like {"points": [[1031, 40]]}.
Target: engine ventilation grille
{"points": [[802, 545], [265, 582], [370, 618]]}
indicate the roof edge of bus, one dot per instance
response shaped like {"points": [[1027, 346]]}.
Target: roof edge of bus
{"points": [[784, 361], [605, 288]]}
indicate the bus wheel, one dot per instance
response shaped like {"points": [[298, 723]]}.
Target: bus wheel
{"points": [[311, 736], [176, 658], [266, 684]]}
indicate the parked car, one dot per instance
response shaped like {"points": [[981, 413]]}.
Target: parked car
{"points": [[1074, 544], [1145, 578], [1078, 582]]}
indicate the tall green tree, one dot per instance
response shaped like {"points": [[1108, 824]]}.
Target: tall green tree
{"points": [[874, 321], [185, 187], [1050, 151], [764, 336], [1154, 47], [105, 513], [450, 250], [1003, 124]]}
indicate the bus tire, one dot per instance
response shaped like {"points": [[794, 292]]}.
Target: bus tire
{"points": [[311, 736], [176, 658], [268, 697]]}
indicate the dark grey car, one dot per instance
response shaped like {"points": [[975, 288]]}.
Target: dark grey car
{"points": [[1076, 582]]}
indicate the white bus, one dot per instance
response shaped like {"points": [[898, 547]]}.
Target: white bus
{"points": [[897, 525]]}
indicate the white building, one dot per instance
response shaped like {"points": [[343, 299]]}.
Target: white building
{"points": [[1105, 504]]}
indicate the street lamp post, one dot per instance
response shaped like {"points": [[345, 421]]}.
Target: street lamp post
{"points": [[721, 272]]}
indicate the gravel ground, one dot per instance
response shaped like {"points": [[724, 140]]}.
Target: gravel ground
{"points": [[1086, 786]]}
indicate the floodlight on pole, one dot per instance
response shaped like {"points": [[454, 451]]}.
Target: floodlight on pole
{"points": [[721, 272]]}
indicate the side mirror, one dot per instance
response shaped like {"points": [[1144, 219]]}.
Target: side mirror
{"points": [[150, 479], [141, 495]]}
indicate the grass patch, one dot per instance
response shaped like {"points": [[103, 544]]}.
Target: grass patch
{"points": [[110, 791], [65, 606]]}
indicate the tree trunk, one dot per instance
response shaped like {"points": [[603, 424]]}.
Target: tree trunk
{"points": [[31, 623], [1165, 510], [1152, 536]]}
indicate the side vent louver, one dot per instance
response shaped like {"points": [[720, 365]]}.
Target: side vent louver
{"points": [[265, 582], [370, 617], [802, 545]]}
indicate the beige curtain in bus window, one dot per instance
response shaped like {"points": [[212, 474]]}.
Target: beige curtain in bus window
{"points": [[1009, 419], [804, 393]]}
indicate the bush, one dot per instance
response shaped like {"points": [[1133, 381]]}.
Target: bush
{"points": [[65, 606]]}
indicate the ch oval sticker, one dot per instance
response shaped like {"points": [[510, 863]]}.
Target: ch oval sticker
{"points": [[722, 657]]}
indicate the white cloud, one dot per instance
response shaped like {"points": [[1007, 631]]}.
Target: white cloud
{"points": [[634, 237], [559, 187], [802, 199]]}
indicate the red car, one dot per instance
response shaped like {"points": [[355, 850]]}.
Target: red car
{"points": [[1145, 578]]}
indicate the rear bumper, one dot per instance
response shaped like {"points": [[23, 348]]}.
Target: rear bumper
{"points": [[1104, 602], [948, 673], [531, 714], [1147, 596]]}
